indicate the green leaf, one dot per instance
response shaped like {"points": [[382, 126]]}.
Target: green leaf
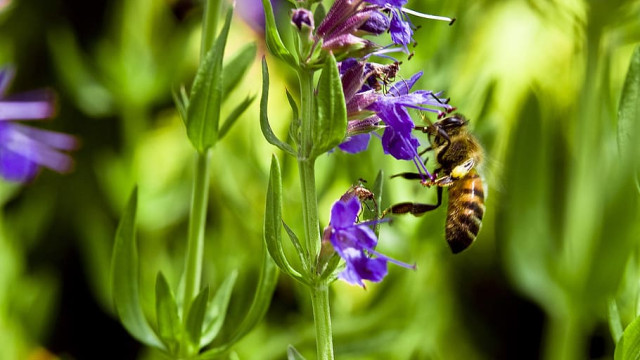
{"points": [[628, 348], [330, 125], [264, 119], [167, 314], [629, 114], [234, 116], [261, 300], [615, 323], [124, 278], [195, 317], [293, 354], [272, 37], [236, 67], [294, 129], [273, 221], [203, 114], [332, 265], [302, 253], [217, 310], [182, 102]]}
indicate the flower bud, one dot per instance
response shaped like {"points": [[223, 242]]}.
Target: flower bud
{"points": [[302, 18]]}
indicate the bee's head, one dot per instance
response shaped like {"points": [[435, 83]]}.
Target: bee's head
{"points": [[451, 125]]}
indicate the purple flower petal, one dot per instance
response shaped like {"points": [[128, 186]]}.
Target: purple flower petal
{"points": [[356, 143], [388, 3], [344, 214], [400, 146], [14, 167], [360, 267], [400, 29], [252, 13], [24, 149], [13, 140], [355, 244], [402, 87], [25, 110], [377, 23], [53, 139]]}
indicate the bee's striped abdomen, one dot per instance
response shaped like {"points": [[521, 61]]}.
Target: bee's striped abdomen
{"points": [[465, 212]]}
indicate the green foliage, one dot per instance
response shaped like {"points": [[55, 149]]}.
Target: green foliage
{"points": [[167, 315], [264, 120], [543, 84], [293, 354], [267, 282], [203, 113], [236, 67], [272, 36], [628, 347], [330, 125], [629, 115], [124, 278], [273, 222], [195, 318], [217, 310]]}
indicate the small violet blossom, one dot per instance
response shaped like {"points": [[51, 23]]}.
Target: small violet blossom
{"points": [[355, 243], [390, 108], [348, 20], [24, 149]]}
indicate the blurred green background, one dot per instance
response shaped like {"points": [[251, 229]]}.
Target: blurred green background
{"points": [[540, 81]]}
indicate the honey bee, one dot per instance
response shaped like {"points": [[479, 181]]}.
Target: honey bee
{"points": [[458, 153]]}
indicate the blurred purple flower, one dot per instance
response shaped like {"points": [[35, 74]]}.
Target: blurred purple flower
{"points": [[24, 149], [4, 4], [356, 243], [252, 13]]}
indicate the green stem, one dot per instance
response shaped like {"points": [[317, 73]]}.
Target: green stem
{"points": [[565, 339], [197, 222], [310, 211], [306, 166], [322, 320], [212, 9]]}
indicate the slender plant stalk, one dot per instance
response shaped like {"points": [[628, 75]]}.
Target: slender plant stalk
{"points": [[212, 9], [565, 339], [306, 167], [322, 320], [306, 164], [197, 222]]}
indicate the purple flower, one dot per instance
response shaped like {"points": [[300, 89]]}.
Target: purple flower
{"points": [[356, 243], [400, 28], [24, 149], [391, 108], [347, 21], [302, 17], [356, 143]]}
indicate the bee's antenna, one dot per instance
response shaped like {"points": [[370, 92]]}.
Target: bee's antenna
{"points": [[425, 118]]}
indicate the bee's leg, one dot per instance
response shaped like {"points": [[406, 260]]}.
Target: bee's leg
{"points": [[425, 150], [409, 176], [443, 181], [415, 209], [463, 169]]}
